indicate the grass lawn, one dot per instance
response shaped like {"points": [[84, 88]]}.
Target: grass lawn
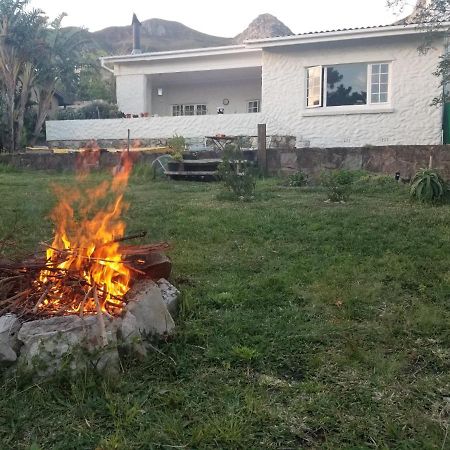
{"points": [[304, 325]]}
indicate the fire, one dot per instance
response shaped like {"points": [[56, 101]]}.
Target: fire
{"points": [[85, 271]]}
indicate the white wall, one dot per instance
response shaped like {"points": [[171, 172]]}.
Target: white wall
{"points": [[210, 94], [154, 127], [132, 94], [408, 120]]}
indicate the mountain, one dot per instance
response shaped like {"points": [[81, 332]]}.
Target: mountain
{"points": [[264, 26], [164, 35], [417, 15]]}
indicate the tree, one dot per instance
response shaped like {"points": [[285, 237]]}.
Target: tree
{"points": [[35, 57], [20, 40], [59, 64], [434, 17]]}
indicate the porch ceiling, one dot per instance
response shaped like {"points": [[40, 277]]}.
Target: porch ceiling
{"points": [[207, 76]]}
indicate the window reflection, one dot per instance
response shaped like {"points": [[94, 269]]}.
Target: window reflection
{"points": [[347, 84]]}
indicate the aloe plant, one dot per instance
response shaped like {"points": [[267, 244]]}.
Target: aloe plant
{"points": [[427, 186]]}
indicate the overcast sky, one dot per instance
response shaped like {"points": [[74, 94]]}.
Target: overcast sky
{"points": [[222, 17]]}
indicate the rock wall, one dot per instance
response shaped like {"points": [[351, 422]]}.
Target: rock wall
{"points": [[282, 159], [406, 159], [67, 161]]}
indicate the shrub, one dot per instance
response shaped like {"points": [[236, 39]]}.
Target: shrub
{"points": [[427, 186], [95, 110], [237, 174], [142, 172], [178, 145], [376, 183], [338, 184], [298, 179]]}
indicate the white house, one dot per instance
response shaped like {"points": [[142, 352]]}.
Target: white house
{"points": [[353, 87]]}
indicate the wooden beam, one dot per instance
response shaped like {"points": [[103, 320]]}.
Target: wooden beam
{"points": [[262, 148]]}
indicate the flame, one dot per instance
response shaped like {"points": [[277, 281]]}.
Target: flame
{"points": [[85, 270]]}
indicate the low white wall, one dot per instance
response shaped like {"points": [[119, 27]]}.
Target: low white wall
{"points": [[154, 127]]}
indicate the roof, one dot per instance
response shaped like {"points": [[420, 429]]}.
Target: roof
{"points": [[253, 45], [338, 35], [174, 54]]}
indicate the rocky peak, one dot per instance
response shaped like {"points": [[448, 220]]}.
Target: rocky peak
{"points": [[264, 26], [417, 15]]}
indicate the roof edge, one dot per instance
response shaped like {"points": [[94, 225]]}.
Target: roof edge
{"points": [[228, 49], [344, 34]]}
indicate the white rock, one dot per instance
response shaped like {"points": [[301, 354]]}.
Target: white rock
{"points": [[147, 306], [72, 342], [170, 295], [131, 337], [9, 343]]}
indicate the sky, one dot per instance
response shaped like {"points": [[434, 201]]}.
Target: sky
{"points": [[223, 18]]}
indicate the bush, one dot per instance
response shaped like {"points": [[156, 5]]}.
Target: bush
{"points": [[298, 179], [95, 110], [178, 145], [338, 184], [238, 175], [376, 183], [427, 186]]}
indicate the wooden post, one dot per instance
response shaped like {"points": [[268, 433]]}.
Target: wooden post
{"points": [[128, 141], [262, 148]]}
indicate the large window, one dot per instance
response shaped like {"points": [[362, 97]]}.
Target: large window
{"points": [[189, 110], [347, 85]]}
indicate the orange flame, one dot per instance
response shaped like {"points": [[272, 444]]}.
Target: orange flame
{"points": [[85, 269]]}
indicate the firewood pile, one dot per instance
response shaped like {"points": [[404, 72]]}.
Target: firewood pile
{"points": [[39, 287]]}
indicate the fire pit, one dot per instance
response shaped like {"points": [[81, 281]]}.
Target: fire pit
{"points": [[89, 295]]}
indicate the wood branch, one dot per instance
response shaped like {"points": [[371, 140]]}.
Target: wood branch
{"points": [[8, 279], [15, 297], [144, 249], [84, 302], [42, 298], [130, 237], [101, 321]]}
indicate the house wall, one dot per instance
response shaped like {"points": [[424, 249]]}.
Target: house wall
{"points": [[239, 93], [408, 120], [154, 127], [132, 97]]}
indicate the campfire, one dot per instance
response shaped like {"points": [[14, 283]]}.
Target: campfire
{"points": [[86, 269], [86, 289]]}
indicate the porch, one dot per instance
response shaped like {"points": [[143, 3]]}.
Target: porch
{"points": [[191, 93]]}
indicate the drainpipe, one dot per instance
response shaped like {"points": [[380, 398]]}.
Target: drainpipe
{"points": [[136, 36], [104, 66]]}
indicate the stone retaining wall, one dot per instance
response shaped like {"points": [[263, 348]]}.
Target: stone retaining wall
{"points": [[389, 160], [281, 161]]}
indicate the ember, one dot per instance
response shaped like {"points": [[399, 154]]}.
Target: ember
{"points": [[86, 270]]}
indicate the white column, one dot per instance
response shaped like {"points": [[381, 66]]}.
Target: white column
{"points": [[132, 93]]}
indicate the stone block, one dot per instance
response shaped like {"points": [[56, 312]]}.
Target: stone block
{"points": [[9, 343], [68, 342], [148, 307], [170, 295]]}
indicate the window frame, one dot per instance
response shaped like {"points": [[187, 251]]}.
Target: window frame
{"points": [[322, 79], [195, 108], [258, 106], [369, 104]]}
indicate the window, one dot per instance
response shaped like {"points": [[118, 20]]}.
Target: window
{"points": [[189, 110], [380, 83], [201, 110], [347, 85], [253, 106], [177, 110], [314, 94]]}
